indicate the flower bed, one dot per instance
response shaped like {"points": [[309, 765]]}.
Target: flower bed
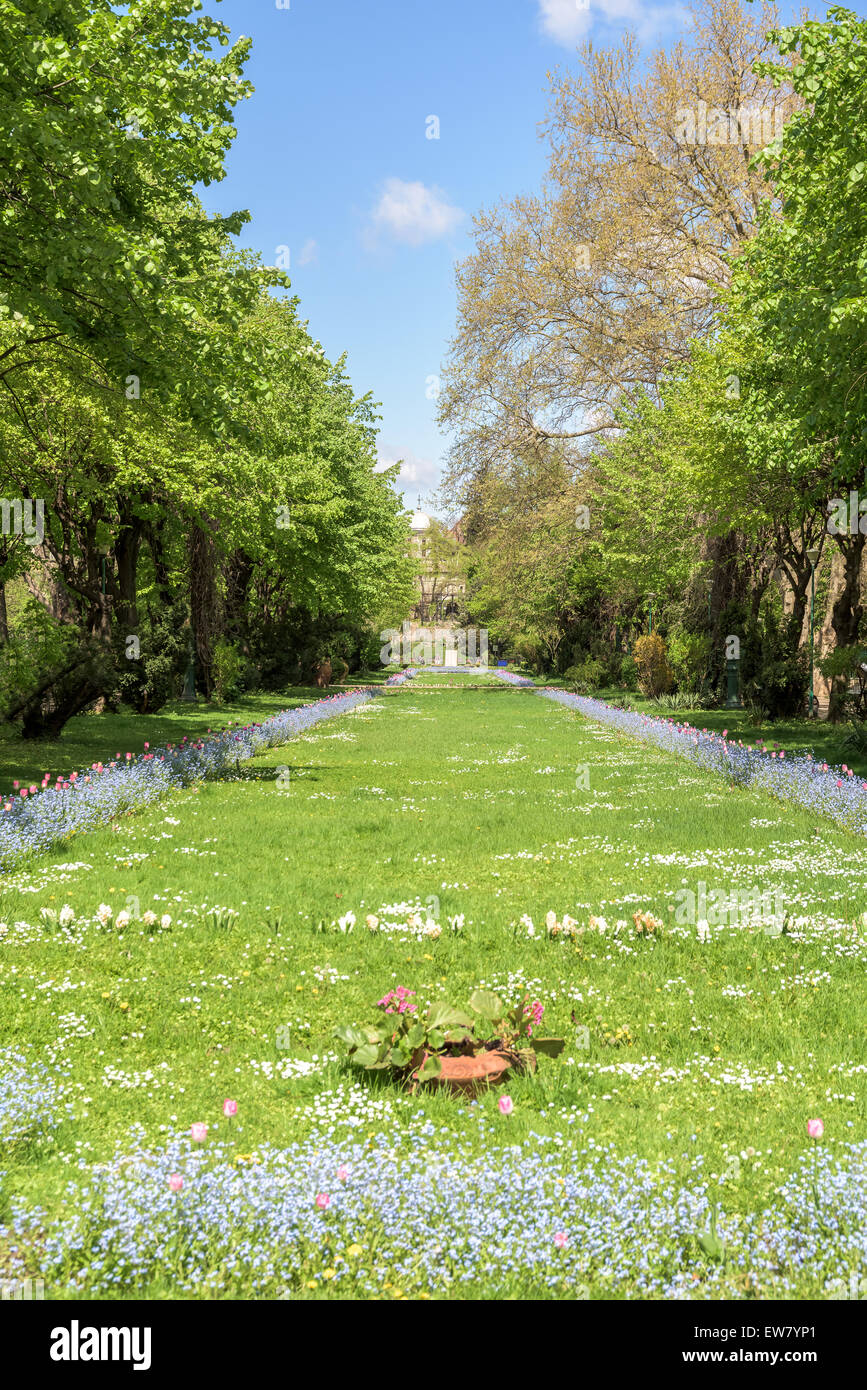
{"points": [[812, 785], [34, 819], [511, 678], [370, 1218]]}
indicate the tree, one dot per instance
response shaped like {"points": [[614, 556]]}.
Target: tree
{"points": [[588, 292], [804, 276], [108, 120]]}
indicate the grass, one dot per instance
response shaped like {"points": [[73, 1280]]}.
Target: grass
{"points": [[97, 738], [796, 735], [465, 805]]}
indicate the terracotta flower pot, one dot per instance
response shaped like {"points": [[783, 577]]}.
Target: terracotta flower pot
{"points": [[467, 1075]]}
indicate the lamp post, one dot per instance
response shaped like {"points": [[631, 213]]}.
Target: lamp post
{"points": [[812, 556], [105, 551]]}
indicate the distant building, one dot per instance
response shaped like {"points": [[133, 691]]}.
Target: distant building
{"points": [[440, 581]]}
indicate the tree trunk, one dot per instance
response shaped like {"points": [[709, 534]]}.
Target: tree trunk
{"points": [[846, 612]]}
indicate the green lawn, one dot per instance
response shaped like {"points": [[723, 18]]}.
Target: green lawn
{"points": [[97, 738], [679, 1051]]}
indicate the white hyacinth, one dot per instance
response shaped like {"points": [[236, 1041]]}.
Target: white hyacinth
{"points": [[702, 929], [372, 922], [149, 918], [67, 916], [122, 920], [104, 913], [347, 922], [165, 921]]}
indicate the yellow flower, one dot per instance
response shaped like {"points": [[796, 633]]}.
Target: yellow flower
{"points": [[311, 1284], [328, 1273], [124, 1006], [298, 989], [426, 957], [354, 1251], [245, 972], [105, 994]]}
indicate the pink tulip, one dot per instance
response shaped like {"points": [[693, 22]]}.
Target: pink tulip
{"points": [[504, 1105], [839, 784], [323, 1200], [343, 1173], [815, 1129], [147, 745], [230, 1107], [561, 1239], [23, 791], [199, 1132], [176, 1182]]}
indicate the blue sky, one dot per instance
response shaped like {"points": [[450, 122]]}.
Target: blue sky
{"points": [[333, 161]]}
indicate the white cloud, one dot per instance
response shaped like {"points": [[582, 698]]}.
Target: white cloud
{"points": [[309, 253], [564, 20], [568, 21], [414, 213], [416, 476]]}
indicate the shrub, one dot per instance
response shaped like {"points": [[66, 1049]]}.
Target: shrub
{"points": [[845, 665], [628, 672], [227, 670], [655, 676], [147, 683], [689, 656], [586, 675]]}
